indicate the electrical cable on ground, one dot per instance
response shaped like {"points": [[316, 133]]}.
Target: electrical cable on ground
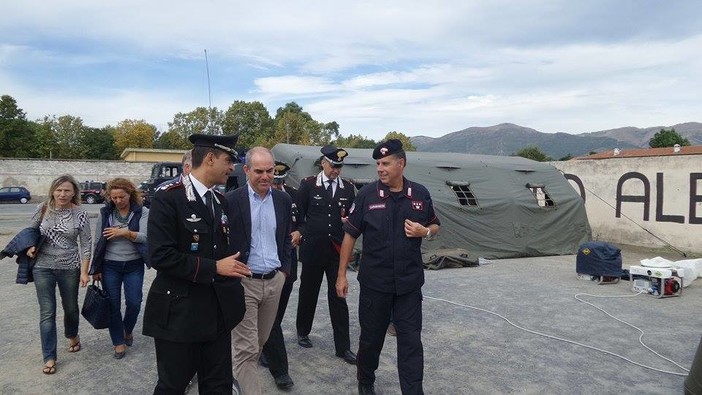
{"points": [[577, 343]]}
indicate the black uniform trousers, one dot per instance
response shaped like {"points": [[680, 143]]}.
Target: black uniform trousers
{"points": [[176, 364], [274, 349], [374, 310], [326, 261]]}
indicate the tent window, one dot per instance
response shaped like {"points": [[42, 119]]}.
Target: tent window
{"points": [[542, 198], [465, 195]]}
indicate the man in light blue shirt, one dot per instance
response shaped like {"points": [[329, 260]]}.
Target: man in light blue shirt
{"points": [[260, 222]]}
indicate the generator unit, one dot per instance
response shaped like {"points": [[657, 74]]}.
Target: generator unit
{"points": [[662, 282]]}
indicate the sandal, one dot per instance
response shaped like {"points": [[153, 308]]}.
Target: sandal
{"points": [[49, 369], [76, 346]]}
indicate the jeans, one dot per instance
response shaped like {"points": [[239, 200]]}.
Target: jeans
{"points": [[131, 274], [45, 281]]}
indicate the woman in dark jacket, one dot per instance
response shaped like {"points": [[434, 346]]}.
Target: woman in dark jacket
{"points": [[119, 257]]}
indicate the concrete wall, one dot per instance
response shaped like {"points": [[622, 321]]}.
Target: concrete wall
{"points": [[660, 195], [37, 174], [626, 198]]}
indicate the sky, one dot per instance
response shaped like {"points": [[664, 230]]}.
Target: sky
{"points": [[424, 68]]}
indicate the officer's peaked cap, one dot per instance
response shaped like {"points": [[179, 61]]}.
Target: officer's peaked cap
{"points": [[281, 170], [224, 143], [334, 155]]}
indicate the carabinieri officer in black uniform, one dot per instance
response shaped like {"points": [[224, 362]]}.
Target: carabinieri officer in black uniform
{"points": [[196, 298], [323, 202], [394, 215]]}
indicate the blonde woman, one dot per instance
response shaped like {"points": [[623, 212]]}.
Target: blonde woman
{"points": [[62, 261]]}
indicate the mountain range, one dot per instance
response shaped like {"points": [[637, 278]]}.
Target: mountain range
{"points": [[508, 138]]}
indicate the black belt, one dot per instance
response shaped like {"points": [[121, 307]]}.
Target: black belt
{"points": [[264, 276]]}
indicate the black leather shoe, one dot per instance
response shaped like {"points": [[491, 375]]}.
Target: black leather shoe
{"points": [[366, 389], [348, 357], [304, 341], [263, 361], [284, 382]]}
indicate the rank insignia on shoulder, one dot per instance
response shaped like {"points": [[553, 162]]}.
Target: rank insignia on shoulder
{"points": [[169, 185], [193, 218]]}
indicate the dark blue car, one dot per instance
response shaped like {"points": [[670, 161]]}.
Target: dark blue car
{"points": [[15, 194]]}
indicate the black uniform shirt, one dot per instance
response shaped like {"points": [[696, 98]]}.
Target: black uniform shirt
{"points": [[319, 213], [391, 262]]}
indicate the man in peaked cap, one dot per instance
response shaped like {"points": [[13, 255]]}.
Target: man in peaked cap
{"points": [[196, 298], [394, 215], [274, 356], [323, 203]]}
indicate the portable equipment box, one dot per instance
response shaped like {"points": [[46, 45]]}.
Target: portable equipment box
{"points": [[601, 261]]}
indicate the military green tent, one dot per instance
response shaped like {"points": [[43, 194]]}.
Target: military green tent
{"points": [[490, 206]]}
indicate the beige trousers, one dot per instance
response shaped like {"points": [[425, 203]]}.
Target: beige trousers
{"points": [[248, 338]]}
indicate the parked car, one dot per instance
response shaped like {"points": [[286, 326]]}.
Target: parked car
{"points": [[15, 194], [92, 192]]}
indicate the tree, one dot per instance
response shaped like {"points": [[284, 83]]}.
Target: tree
{"points": [[567, 157], [354, 141], [250, 120], [200, 120], [100, 143], [532, 152], [134, 134], [296, 126], [66, 134], [406, 144], [17, 135], [325, 133], [46, 141], [291, 127], [667, 138], [9, 109], [172, 140]]}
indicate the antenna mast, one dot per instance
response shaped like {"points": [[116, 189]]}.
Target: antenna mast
{"points": [[209, 94]]}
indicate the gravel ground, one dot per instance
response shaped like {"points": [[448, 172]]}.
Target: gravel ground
{"points": [[467, 349]]}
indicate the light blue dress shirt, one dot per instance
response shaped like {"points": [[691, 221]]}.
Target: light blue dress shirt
{"points": [[263, 257]]}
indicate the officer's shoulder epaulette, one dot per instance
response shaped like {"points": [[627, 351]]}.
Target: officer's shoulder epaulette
{"points": [[289, 188], [309, 178], [170, 185]]}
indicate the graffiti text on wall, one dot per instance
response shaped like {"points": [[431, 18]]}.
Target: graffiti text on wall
{"points": [[695, 197]]}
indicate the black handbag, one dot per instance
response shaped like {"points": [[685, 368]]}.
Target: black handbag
{"points": [[96, 306]]}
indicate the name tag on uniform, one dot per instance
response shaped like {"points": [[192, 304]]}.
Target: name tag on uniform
{"points": [[377, 206]]}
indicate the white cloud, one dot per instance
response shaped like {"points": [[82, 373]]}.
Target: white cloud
{"points": [[372, 66]]}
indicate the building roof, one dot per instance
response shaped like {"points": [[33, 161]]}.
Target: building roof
{"points": [[127, 151], [644, 152]]}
